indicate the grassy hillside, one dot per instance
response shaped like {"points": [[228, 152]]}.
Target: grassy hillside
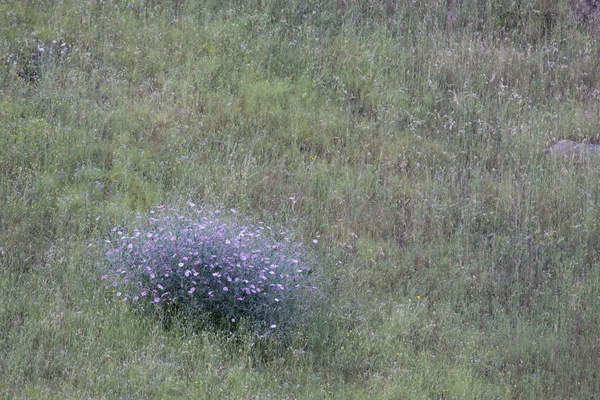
{"points": [[406, 138]]}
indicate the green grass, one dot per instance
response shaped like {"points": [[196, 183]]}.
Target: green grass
{"points": [[407, 139]]}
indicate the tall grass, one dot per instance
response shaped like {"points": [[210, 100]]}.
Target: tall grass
{"points": [[406, 138]]}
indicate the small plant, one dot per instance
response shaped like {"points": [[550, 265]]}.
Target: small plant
{"points": [[205, 263]]}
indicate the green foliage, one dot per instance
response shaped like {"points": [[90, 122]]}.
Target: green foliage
{"points": [[407, 138]]}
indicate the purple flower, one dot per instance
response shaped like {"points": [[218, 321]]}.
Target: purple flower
{"points": [[229, 257]]}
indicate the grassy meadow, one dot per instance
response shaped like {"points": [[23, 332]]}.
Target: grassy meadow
{"points": [[403, 141]]}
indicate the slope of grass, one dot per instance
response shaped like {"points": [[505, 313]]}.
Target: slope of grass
{"points": [[407, 139]]}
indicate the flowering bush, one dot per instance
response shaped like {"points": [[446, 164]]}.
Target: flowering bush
{"points": [[206, 263]]}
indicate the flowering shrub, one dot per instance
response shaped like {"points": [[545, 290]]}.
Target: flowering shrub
{"points": [[206, 263]]}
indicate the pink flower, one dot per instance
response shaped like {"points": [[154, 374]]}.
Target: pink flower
{"points": [[157, 299], [225, 289], [192, 290]]}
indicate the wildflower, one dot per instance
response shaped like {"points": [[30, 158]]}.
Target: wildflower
{"points": [[228, 281]]}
